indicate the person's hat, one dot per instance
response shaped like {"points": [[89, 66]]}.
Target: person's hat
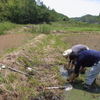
{"points": [[66, 53]]}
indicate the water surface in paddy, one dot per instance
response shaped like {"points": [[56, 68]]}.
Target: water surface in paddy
{"points": [[95, 88], [64, 73]]}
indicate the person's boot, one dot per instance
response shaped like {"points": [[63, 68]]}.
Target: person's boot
{"points": [[86, 87]]}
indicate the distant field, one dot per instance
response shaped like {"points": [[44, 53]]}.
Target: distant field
{"points": [[91, 40], [9, 41]]}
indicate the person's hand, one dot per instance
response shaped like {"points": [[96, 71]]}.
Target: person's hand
{"points": [[70, 70], [70, 81], [77, 75], [65, 67]]}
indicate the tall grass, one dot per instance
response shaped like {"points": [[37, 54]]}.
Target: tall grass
{"points": [[66, 26], [44, 28], [4, 26], [76, 27]]}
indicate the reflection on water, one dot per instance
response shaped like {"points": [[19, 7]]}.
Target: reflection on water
{"points": [[64, 73], [95, 88]]}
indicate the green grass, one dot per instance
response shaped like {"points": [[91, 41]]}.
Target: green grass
{"points": [[4, 26], [66, 28], [46, 29], [44, 55]]}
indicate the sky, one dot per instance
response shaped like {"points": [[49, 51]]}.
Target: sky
{"points": [[74, 8]]}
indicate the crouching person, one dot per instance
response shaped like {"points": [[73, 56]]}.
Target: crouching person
{"points": [[76, 48], [90, 58]]}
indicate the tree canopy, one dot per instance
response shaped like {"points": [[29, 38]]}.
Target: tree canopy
{"points": [[28, 11], [87, 19]]}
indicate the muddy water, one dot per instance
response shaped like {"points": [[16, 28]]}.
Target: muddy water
{"points": [[94, 88], [96, 85], [64, 73]]}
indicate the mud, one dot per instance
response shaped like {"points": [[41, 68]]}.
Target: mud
{"points": [[95, 87], [64, 73]]}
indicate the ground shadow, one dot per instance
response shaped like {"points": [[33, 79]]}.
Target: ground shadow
{"points": [[95, 88]]}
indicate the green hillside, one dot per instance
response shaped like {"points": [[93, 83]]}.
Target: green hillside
{"points": [[90, 19]]}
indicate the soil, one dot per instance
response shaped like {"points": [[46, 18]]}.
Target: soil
{"points": [[12, 41]]}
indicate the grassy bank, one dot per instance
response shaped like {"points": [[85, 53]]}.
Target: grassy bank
{"points": [[4, 26], [43, 53], [48, 28]]}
